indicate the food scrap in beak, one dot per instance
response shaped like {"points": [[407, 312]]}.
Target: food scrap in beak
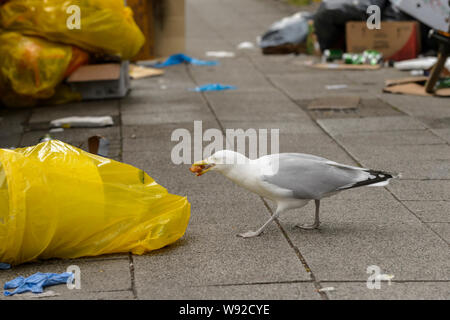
{"points": [[200, 168]]}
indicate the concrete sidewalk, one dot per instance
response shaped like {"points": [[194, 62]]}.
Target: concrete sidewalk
{"points": [[404, 228]]}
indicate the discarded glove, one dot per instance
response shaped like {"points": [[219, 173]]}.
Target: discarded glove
{"points": [[182, 58], [214, 87], [36, 282]]}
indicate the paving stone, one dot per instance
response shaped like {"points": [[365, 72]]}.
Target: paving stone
{"points": [[421, 190], [335, 126], [290, 291], [430, 211], [396, 291], [358, 233], [443, 229]]}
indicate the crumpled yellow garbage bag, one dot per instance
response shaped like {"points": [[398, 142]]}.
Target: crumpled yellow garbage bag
{"points": [[57, 201], [106, 26]]}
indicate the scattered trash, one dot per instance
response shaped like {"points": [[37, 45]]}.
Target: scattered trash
{"points": [[385, 277], [220, 54], [56, 130], [79, 204], [368, 57], [245, 45], [107, 25], [417, 73], [327, 289], [424, 63], [98, 145], [133, 136], [140, 72], [36, 282], [182, 58], [5, 266], [82, 122], [336, 86], [213, 87], [286, 33], [331, 55]]}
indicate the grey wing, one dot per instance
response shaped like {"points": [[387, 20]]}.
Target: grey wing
{"points": [[311, 177]]}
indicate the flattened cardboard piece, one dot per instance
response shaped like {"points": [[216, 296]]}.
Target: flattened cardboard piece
{"points": [[335, 103], [413, 86], [96, 72], [343, 66], [396, 40]]}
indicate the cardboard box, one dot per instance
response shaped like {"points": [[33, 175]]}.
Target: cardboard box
{"points": [[163, 24], [435, 14], [413, 86], [397, 40], [101, 81]]}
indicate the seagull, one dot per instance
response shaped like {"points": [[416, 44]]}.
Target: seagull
{"points": [[290, 180]]}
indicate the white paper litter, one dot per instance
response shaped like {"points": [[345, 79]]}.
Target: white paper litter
{"points": [[245, 45], [327, 289], [77, 122], [220, 54], [419, 64], [46, 294], [336, 86]]}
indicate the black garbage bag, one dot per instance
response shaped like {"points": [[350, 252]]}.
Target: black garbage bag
{"points": [[332, 15], [285, 34]]}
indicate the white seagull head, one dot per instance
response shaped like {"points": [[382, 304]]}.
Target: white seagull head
{"points": [[221, 161]]}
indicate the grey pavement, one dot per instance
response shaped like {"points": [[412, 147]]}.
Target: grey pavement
{"points": [[403, 228]]}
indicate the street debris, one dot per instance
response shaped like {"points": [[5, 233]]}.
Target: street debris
{"points": [[56, 130], [336, 86], [182, 58], [220, 54], [213, 87], [82, 122], [289, 31], [327, 289], [5, 266], [140, 72], [98, 145], [36, 283], [39, 55], [246, 45], [94, 206], [45, 138]]}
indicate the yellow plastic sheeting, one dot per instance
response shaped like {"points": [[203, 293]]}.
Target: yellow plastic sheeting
{"points": [[106, 26], [57, 201], [31, 66]]}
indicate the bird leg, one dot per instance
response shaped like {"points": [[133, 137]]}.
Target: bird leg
{"points": [[316, 223], [251, 234]]}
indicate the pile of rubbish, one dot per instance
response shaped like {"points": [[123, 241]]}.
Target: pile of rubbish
{"points": [[325, 30], [57, 201], [43, 42]]}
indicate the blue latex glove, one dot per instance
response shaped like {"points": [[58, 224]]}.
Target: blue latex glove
{"points": [[214, 87], [36, 282], [182, 58], [5, 266]]}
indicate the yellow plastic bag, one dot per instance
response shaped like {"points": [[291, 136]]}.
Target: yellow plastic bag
{"points": [[106, 26], [57, 201], [31, 66]]}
